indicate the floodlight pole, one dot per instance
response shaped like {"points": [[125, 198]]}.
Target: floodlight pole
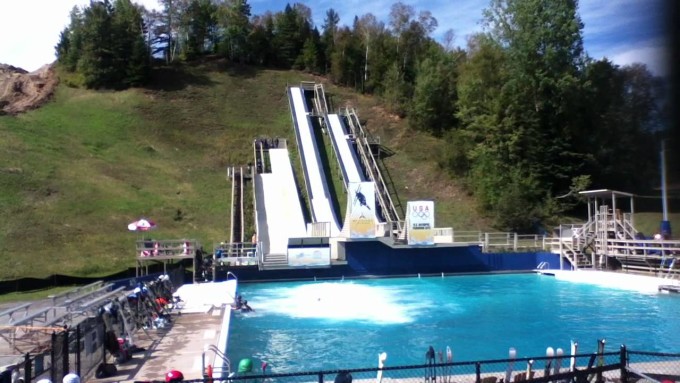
{"points": [[664, 196]]}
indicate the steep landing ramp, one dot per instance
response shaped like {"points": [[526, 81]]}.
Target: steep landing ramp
{"points": [[349, 163], [322, 209], [282, 216], [351, 171]]}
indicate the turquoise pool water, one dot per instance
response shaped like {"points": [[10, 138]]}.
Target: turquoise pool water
{"points": [[302, 326]]}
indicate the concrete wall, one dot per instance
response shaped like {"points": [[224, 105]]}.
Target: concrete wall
{"points": [[375, 258]]}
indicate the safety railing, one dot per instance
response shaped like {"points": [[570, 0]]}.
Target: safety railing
{"points": [[495, 241], [212, 369], [151, 248], [597, 367]]}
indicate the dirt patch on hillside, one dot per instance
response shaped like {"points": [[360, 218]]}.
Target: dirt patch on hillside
{"points": [[21, 90]]}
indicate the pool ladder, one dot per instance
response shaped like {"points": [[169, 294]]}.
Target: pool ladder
{"points": [[218, 371], [543, 265]]}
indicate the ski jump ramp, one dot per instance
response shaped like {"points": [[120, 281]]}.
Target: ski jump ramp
{"points": [[279, 214], [348, 160], [322, 210]]}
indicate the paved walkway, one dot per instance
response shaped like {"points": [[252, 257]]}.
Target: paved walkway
{"points": [[176, 348], [180, 346]]}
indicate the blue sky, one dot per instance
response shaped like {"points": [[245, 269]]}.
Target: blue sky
{"points": [[625, 31]]}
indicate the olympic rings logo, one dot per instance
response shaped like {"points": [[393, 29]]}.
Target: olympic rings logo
{"points": [[420, 213]]}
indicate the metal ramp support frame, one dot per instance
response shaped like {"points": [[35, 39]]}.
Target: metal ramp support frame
{"points": [[371, 165]]}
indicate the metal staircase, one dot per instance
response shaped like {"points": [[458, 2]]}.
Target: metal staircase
{"points": [[609, 240], [237, 232]]}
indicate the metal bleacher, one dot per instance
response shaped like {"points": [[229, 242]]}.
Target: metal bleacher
{"points": [[609, 240]]}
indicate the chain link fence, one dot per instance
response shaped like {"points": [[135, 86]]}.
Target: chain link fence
{"points": [[79, 350], [654, 366], [621, 366]]}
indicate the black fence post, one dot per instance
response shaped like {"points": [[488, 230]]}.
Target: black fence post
{"points": [[28, 368], [478, 372], [623, 359], [78, 350], [53, 355], [64, 347], [103, 346], [320, 377]]}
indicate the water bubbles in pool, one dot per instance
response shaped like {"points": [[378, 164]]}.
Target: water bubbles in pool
{"points": [[341, 301]]}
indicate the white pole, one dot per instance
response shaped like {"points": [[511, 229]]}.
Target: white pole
{"points": [[550, 353], [664, 196], [574, 350], [512, 354], [558, 362], [381, 363]]}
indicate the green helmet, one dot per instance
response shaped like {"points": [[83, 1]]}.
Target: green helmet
{"points": [[245, 365]]}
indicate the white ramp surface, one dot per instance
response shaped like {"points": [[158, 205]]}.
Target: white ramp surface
{"points": [[282, 203], [348, 160], [321, 206]]}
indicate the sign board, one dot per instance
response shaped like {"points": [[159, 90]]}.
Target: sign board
{"points": [[361, 200], [309, 257], [420, 222]]}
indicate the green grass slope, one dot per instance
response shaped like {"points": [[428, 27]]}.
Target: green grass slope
{"points": [[75, 172]]}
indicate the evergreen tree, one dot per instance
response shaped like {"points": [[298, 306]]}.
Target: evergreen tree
{"points": [[97, 59], [287, 38], [311, 52], [200, 25], [432, 107], [235, 21], [70, 43], [396, 92], [130, 51], [329, 28], [621, 120], [260, 40], [105, 43]]}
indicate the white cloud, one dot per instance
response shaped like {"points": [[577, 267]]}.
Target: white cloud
{"points": [[654, 56]]}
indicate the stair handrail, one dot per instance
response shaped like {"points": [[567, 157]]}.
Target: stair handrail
{"points": [[320, 96], [218, 353]]}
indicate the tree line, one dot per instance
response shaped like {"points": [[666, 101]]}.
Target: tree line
{"points": [[526, 114]]}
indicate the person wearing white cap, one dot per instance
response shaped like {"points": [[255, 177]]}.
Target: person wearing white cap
{"points": [[71, 378], [45, 380]]}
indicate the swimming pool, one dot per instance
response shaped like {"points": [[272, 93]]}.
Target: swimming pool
{"points": [[302, 326]]}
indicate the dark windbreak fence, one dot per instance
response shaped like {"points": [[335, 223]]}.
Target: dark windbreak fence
{"points": [[79, 349], [621, 366]]}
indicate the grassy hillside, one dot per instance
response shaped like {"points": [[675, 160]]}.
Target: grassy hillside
{"points": [[75, 172]]}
